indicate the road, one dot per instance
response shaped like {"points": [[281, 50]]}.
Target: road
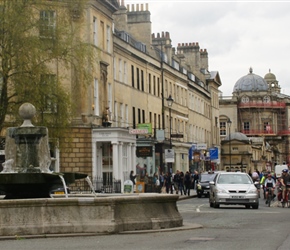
{"points": [[234, 227]]}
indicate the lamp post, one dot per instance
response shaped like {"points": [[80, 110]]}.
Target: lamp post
{"points": [[170, 102], [229, 122]]}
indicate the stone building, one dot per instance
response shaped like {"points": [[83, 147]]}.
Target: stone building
{"points": [[124, 122], [259, 112]]}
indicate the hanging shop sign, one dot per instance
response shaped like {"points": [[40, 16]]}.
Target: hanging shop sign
{"points": [[144, 151]]}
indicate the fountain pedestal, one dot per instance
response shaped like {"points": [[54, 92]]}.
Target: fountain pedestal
{"points": [[26, 173], [27, 147]]}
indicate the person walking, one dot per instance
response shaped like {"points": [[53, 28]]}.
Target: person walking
{"points": [[187, 183], [181, 183], [133, 177], [167, 183], [176, 178]]}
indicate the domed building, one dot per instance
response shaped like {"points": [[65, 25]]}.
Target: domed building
{"points": [[256, 115]]}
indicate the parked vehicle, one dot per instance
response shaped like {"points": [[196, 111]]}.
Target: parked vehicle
{"points": [[233, 188], [279, 168], [202, 185]]}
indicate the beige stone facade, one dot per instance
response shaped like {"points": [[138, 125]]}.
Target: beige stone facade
{"points": [[133, 75]]}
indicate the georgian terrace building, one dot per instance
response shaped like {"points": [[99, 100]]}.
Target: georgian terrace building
{"points": [[124, 122]]}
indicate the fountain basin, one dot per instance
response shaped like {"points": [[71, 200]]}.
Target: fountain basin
{"points": [[34, 185], [107, 215]]}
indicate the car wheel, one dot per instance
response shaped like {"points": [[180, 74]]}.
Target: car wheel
{"points": [[256, 206], [247, 206], [216, 205]]}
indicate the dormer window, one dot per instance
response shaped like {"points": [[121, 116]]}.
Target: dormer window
{"points": [[266, 99], [245, 99]]}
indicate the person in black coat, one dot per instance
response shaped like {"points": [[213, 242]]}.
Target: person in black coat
{"points": [[133, 177]]}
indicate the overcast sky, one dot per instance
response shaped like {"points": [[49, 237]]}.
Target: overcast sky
{"points": [[237, 35]]}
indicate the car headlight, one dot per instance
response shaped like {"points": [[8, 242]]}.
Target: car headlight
{"points": [[252, 191], [220, 190]]}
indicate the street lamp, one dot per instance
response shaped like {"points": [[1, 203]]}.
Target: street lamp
{"points": [[170, 102], [229, 122]]}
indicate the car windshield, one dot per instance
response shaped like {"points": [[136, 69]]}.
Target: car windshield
{"points": [[207, 177], [234, 179]]}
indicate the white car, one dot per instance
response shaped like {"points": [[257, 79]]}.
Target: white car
{"points": [[233, 188]]}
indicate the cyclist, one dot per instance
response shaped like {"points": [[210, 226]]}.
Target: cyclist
{"points": [[279, 189], [269, 186], [285, 181], [262, 182]]}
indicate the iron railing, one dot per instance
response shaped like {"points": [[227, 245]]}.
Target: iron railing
{"points": [[100, 186]]}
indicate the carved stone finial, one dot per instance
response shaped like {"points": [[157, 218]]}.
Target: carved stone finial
{"points": [[27, 111]]}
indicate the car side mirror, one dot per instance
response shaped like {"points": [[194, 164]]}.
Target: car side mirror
{"points": [[211, 183]]}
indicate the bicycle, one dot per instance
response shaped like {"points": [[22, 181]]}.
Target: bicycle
{"points": [[270, 196], [287, 197]]}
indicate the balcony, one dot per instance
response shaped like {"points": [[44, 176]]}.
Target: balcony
{"points": [[284, 132], [273, 104], [261, 132], [269, 132]]}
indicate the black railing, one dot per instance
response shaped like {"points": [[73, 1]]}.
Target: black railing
{"points": [[100, 186]]}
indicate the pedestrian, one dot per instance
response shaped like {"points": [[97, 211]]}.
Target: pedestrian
{"points": [[146, 181], [133, 177], [168, 183], [195, 179], [181, 183], [161, 179], [187, 183], [176, 181]]}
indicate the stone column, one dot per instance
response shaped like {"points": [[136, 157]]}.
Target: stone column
{"points": [[116, 160], [133, 157]]}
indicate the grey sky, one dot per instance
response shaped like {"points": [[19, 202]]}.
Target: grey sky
{"points": [[237, 35]]}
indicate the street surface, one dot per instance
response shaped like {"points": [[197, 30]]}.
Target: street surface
{"points": [[226, 228]]}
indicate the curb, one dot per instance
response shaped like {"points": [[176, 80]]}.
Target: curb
{"points": [[186, 226]]}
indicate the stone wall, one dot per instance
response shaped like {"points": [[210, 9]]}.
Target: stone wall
{"points": [[77, 215], [76, 154]]}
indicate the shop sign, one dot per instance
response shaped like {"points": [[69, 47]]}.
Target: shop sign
{"points": [[145, 151], [147, 126], [160, 135], [201, 146], [138, 131], [177, 135], [169, 155]]}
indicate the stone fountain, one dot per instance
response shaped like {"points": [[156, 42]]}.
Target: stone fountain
{"points": [[26, 172], [28, 208]]}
